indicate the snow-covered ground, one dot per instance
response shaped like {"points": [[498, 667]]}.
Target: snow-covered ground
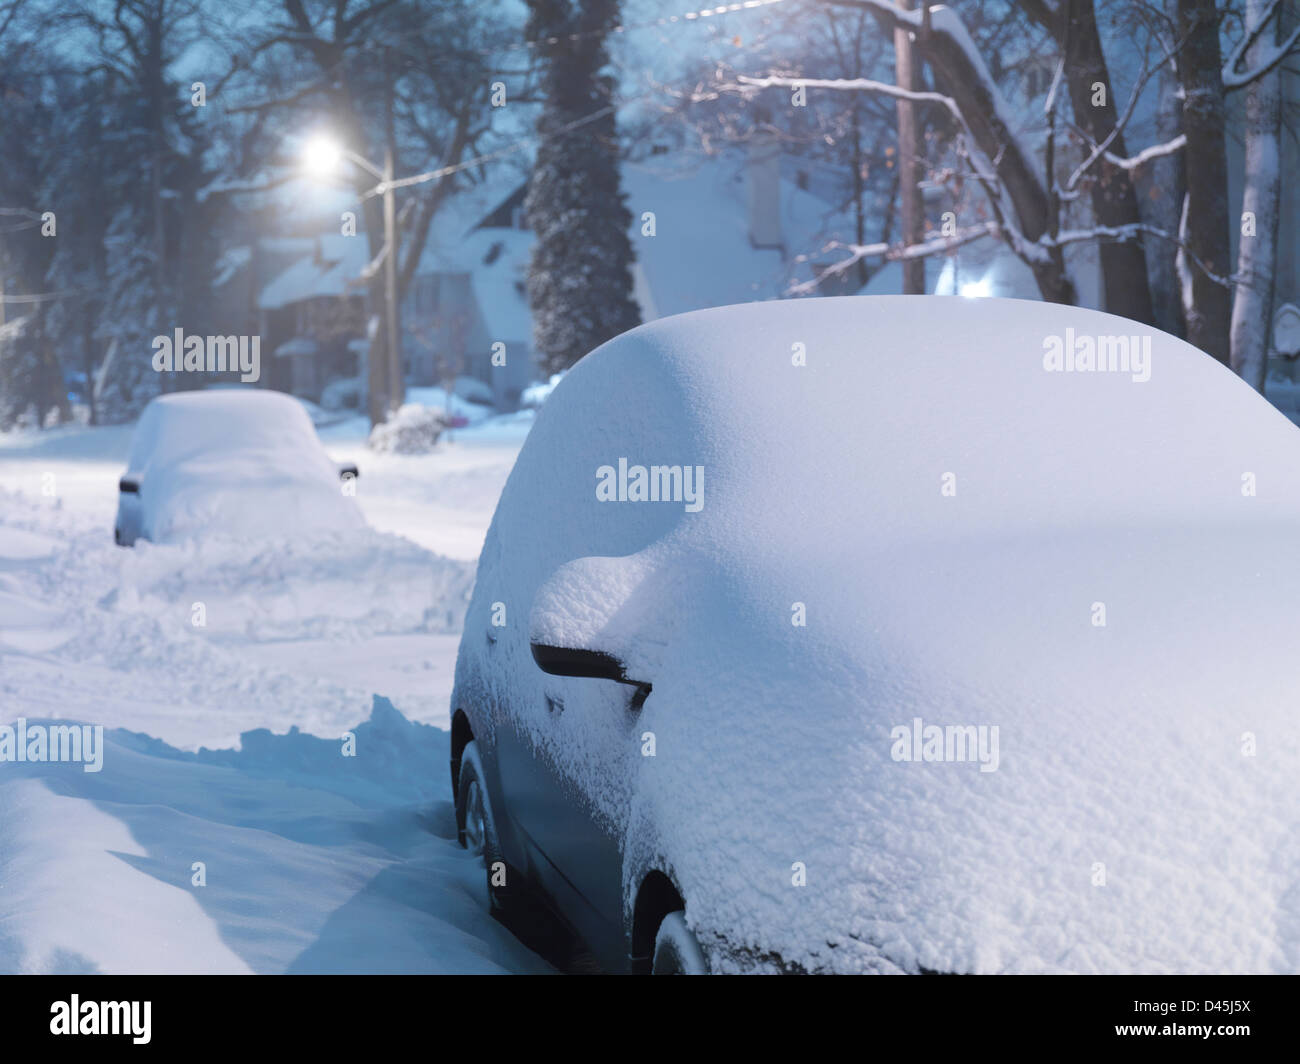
{"points": [[314, 861]]}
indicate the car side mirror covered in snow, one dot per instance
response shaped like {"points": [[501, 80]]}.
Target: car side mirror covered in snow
{"points": [[593, 664], [127, 486], [573, 661], [593, 618]]}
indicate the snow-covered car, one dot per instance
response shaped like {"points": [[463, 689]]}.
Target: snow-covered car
{"points": [[238, 462], [893, 634]]}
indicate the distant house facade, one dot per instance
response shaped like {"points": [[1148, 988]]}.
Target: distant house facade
{"points": [[311, 311], [707, 230]]}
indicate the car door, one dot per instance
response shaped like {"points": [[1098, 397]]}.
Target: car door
{"points": [[585, 737], [567, 748]]}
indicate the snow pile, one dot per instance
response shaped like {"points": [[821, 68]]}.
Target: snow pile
{"points": [[414, 429], [242, 462], [200, 640], [313, 862], [927, 524], [285, 855]]}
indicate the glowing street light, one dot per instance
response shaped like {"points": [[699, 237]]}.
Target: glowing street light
{"points": [[321, 156]]}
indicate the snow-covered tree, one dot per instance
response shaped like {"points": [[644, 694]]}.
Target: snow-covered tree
{"points": [[134, 310], [579, 278]]}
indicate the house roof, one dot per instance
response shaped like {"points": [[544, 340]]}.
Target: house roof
{"points": [[330, 269], [701, 255], [499, 284]]}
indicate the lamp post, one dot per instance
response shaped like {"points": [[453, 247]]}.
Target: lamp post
{"points": [[390, 286], [321, 156]]}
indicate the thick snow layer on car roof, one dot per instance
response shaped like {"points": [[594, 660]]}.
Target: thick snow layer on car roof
{"points": [[1084, 579], [238, 462]]}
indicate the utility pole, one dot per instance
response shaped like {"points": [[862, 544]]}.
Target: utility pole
{"points": [[396, 381], [396, 391], [912, 209]]}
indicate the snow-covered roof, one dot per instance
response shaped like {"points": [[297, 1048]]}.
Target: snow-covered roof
{"points": [[450, 246], [330, 268], [701, 254], [498, 285]]}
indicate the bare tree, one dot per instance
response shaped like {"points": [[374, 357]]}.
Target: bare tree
{"points": [[911, 209], [1073, 24], [1252, 305], [1204, 227], [396, 76]]}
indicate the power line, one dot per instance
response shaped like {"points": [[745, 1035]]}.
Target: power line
{"points": [[508, 149]]}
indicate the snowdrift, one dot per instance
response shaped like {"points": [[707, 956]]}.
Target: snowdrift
{"points": [[280, 856]]}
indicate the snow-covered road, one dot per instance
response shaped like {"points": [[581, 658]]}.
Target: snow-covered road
{"points": [[222, 739]]}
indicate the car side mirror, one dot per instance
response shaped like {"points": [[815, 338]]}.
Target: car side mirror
{"points": [[592, 664], [586, 621], [128, 486], [349, 469], [574, 661]]}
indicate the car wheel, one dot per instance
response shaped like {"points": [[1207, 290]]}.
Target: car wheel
{"points": [[478, 834], [677, 952]]}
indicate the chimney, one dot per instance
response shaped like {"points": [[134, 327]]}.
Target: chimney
{"points": [[764, 173]]}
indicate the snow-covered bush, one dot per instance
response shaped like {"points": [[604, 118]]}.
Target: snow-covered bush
{"points": [[414, 429]]}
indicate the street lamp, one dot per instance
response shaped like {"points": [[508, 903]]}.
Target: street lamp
{"points": [[321, 157]]}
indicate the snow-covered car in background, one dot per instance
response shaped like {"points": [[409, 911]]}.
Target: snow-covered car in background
{"points": [[238, 462], [894, 634]]}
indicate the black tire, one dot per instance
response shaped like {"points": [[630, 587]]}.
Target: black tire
{"points": [[476, 826], [677, 952]]}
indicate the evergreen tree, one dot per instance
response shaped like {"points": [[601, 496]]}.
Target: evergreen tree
{"points": [[579, 279], [134, 312]]}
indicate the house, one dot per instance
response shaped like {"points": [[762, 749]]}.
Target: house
{"points": [[707, 230], [311, 310]]}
